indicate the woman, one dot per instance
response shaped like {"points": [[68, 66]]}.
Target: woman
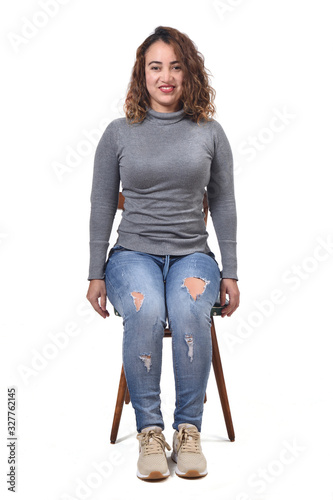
{"points": [[166, 151]]}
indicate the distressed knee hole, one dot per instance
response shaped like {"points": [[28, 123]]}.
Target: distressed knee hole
{"points": [[189, 342], [146, 359], [195, 286], [138, 299]]}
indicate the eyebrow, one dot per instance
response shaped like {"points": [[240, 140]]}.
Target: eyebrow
{"points": [[159, 62]]}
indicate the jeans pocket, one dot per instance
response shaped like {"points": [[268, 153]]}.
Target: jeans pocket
{"points": [[116, 248], [212, 255]]}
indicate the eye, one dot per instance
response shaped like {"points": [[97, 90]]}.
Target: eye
{"points": [[177, 67], [154, 67]]}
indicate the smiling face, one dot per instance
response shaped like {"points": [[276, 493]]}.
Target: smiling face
{"points": [[164, 77]]}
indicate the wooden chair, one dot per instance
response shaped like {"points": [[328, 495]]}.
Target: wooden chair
{"points": [[123, 393]]}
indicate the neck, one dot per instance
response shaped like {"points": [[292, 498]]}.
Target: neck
{"points": [[165, 118]]}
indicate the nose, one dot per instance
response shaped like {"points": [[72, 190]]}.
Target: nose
{"points": [[165, 75]]}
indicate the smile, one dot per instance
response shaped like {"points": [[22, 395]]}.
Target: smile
{"points": [[167, 89]]}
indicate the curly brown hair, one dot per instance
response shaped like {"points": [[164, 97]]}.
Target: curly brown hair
{"points": [[198, 96]]}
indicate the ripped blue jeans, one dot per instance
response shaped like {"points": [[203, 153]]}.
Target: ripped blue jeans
{"points": [[149, 290]]}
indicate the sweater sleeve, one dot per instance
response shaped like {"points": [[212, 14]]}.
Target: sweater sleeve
{"points": [[221, 201], [103, 199]]}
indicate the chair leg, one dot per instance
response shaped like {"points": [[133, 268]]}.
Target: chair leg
{"points": [[123, 393], [119, 406], [127, 396], [217, 365]]}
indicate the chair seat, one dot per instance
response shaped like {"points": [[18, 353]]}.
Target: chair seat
{"points": [[216, 310]]}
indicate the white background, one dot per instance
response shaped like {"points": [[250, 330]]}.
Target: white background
{"points": [[68, 78]]}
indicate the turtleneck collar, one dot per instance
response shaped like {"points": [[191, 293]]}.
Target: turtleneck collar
{"points": [[165, 118]]}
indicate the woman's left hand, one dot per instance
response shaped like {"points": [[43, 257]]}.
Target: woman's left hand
{"points": [[229, 286]]}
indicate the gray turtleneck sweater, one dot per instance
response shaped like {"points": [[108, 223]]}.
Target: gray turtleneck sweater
{"points": [[164, 164]]}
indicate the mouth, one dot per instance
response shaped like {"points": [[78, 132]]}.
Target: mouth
{"points": [[166, 89]]}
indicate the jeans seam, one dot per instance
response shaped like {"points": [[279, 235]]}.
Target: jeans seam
{"points": [[115, 291], [176, 374]]}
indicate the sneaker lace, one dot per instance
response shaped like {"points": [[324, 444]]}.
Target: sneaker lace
{"points": [[189, 440], [153, 442]]}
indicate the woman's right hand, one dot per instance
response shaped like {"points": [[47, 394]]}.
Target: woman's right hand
{"points": [[96, 290]]}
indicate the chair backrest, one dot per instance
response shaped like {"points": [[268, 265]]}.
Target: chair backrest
{"points": [[204, 204]]}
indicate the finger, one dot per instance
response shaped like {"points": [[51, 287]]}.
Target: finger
{"points": [[223, 295], [234, 303], [96, 306], [227, 310], [94, 302], [103, 307], [103, 301]]}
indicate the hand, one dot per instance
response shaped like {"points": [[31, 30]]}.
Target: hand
{"points": [[97, 289], [229, 286]]}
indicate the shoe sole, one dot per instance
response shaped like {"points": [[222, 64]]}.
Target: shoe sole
{"points": [[154, 475], [190, 474]]}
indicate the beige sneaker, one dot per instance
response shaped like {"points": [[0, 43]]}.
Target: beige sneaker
{"points": [[152, 463], [187, 452]]}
